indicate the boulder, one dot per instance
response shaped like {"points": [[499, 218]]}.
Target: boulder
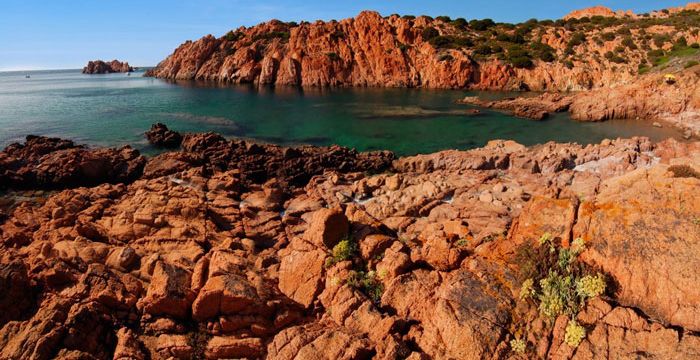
{"points": [[159, 135]]}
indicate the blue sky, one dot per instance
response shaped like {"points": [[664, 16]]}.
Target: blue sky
{"points": [[56, 34]]}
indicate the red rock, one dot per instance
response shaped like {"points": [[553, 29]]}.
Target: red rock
{"points": [[53, 163], [648, 97], [327, 228], [590, 12], [101, 67], [169, 292], [220, 347], [128, 346], [174, 346], [300, 274], [535, 108], [648, 274], [159, 135], [223, 294], [16, 293], [316, 342]]}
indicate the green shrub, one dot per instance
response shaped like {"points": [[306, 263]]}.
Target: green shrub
{"points": [[333, 56], [612, 57], [518, 346], [445, 57], [527, 289], [557, 295], [569, 64], [483, 49], [690, 64], [481, 25], [342, 251], [695, 46], [444, 18], [629, 43], [608, 36], [624, 31], [683, 171], [519, 57], [543, 51], [463, 41], [553, 277], [681, 43], [655, 53], [439, 42], [661, 39], [574, 334], [367, 282], [577, 39], [233, 35], [338, 34], [408, 17], [590, 286], [430, 33], [460, 23]]}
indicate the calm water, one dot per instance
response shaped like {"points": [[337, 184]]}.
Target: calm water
{"points": [[115, 109]]}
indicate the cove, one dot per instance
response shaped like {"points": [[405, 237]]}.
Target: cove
{"points": [[115, 109]]}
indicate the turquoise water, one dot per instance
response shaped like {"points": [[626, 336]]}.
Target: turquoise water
{"points": [[116, 109]]}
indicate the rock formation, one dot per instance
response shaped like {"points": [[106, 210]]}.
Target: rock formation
{"points": [[650, 97], [597, 11], [101, 67], [160, 136], [227, 249], [535, 108], [393, 51]]}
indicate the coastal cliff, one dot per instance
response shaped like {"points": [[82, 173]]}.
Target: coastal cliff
{"points": [[231, 249], [579, 53], [101, 67]]}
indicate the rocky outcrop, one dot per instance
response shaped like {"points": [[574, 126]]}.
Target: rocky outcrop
{"points": [[223, 252], [43, 162], [160, 136], [101, 67], [650, 97], [597, 11], [535, 108]]}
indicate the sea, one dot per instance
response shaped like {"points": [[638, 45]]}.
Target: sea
{"points": [[116, 109]]}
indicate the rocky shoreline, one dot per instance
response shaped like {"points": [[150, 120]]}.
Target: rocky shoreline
{"points": [[650, 97], [229, 249]]}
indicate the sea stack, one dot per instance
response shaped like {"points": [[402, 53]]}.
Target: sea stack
{"points": [[101, 67]]}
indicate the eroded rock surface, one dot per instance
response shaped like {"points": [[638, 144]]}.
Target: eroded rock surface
{"points": [[228, 249]]}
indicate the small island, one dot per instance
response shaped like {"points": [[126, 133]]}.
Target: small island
{"points": [[101, 67]]}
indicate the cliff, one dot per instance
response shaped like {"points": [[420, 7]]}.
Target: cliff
{"points": [[228, 249], [394, 51], [101, 67]]}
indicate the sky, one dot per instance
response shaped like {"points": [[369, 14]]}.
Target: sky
{"points": [[65, 34]]}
